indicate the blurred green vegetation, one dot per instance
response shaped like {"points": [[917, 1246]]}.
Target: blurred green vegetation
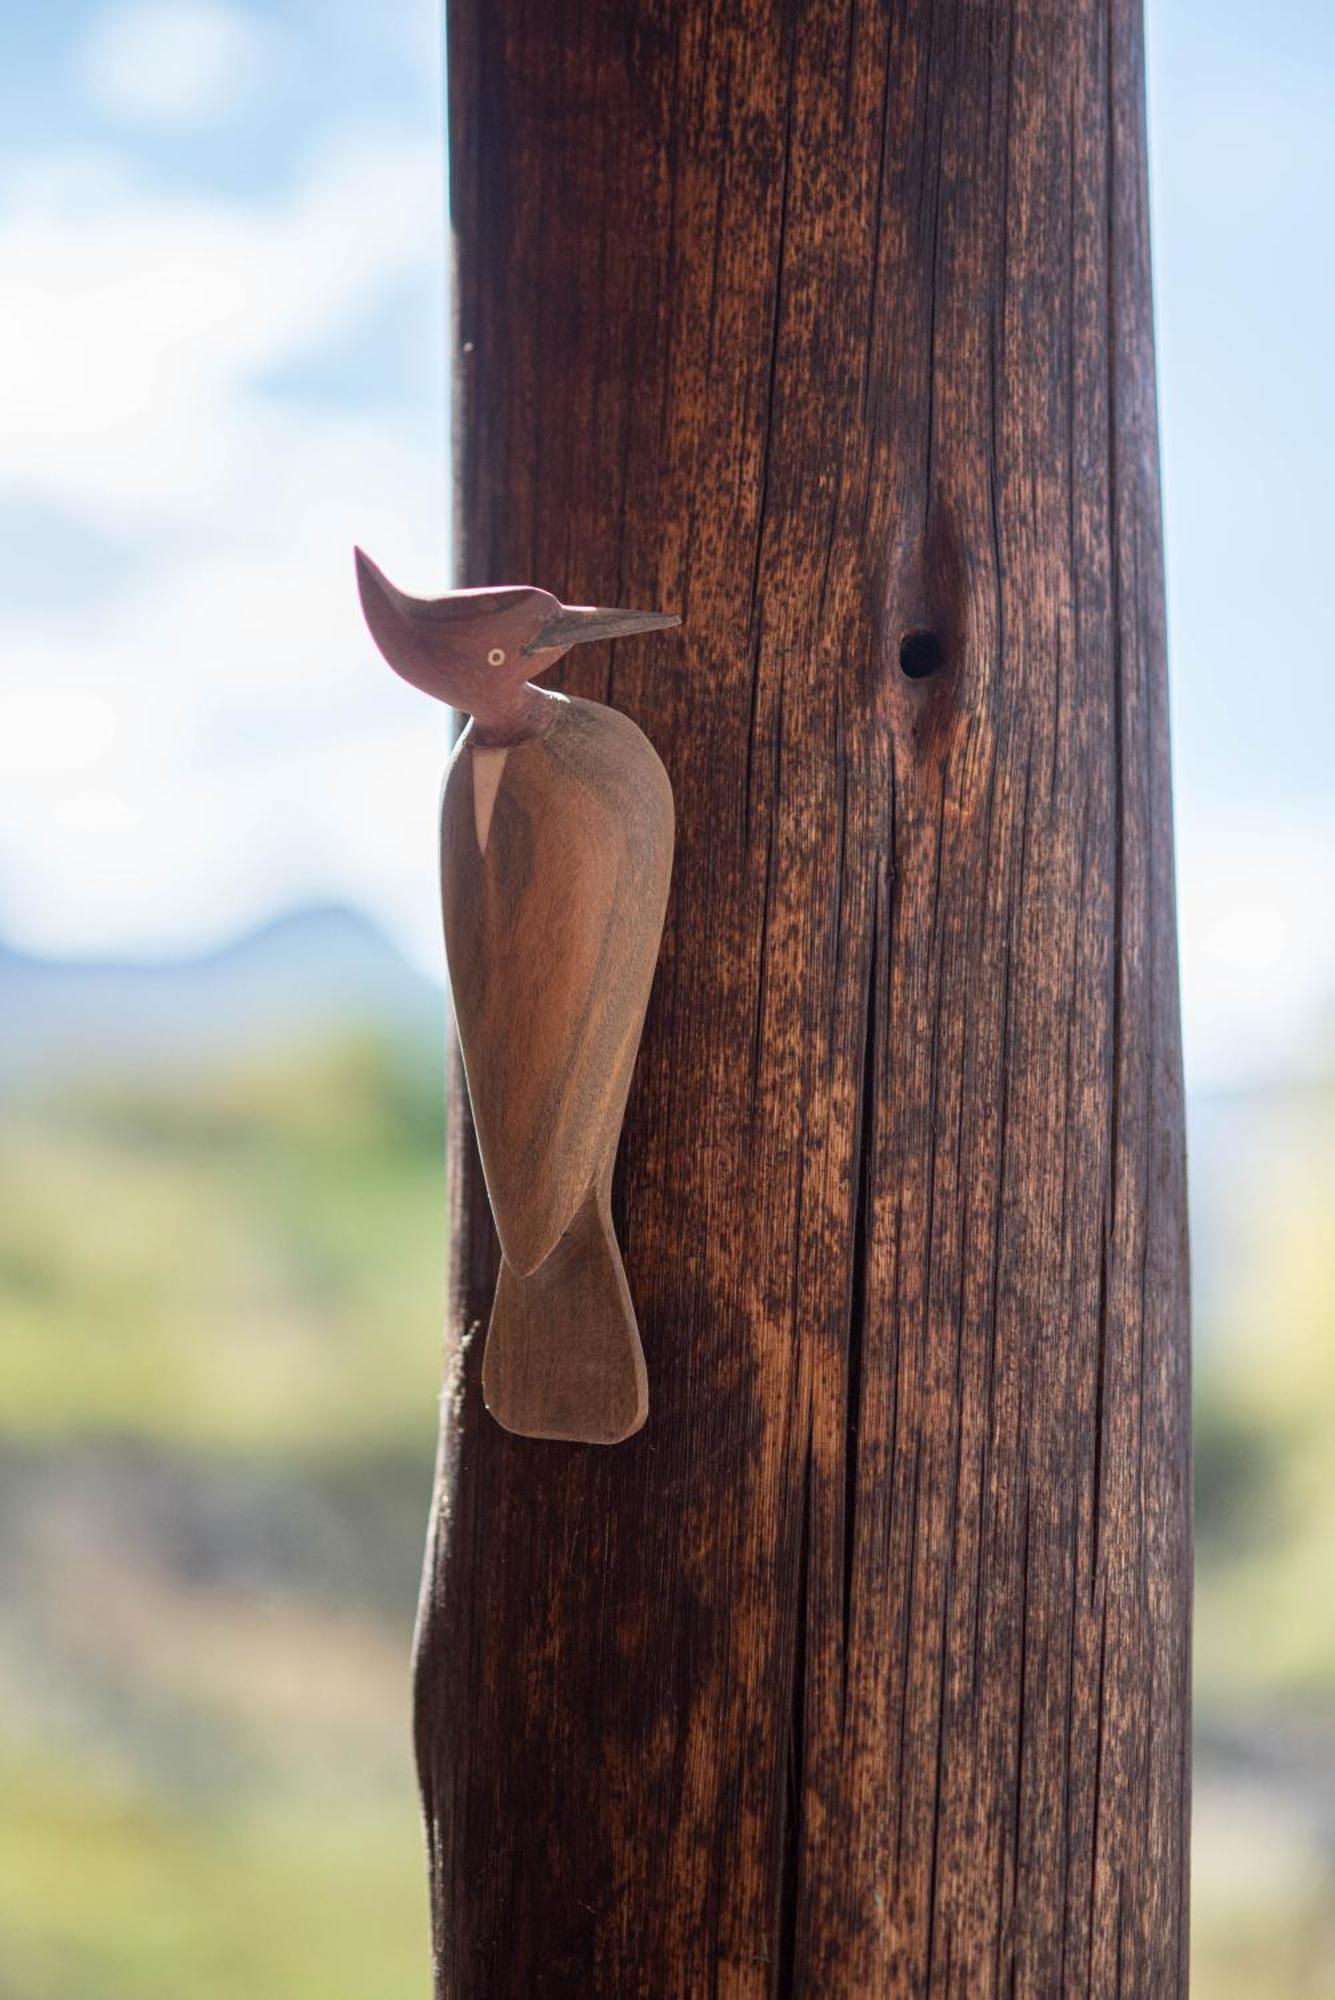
{"points": [[1264, 1848], [244, 1262], [217, 1415], [217, 1422], [1265, 1432], [110, 1891]]}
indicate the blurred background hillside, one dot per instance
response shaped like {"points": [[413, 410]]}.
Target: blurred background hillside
{"points": [[220, 1257], [221, 1195]]}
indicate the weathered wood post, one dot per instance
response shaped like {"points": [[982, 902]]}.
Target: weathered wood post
{"points": [[864, 1668]]}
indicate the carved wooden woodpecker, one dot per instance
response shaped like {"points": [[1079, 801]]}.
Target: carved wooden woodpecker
{"points": [[556, 856]]}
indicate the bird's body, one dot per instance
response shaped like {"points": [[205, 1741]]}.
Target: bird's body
{"points": [[556, 857]]}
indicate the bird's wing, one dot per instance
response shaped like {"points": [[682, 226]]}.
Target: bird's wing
{"points": [[553, 895]]}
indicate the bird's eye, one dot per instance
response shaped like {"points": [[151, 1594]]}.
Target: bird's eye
{"points": [[495, 658]]}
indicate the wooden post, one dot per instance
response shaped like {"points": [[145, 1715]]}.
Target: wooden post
{"points": [[863, 1669]]}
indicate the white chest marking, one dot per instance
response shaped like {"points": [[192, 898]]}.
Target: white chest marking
{"points": [[487, 768]]}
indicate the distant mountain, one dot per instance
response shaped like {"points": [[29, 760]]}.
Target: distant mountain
{"points": [[304, 975]]}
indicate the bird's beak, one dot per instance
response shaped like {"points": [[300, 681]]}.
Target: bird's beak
{"points": [[575, 623]]}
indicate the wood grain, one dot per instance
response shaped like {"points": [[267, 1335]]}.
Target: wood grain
{"points": [[556, 855], [863, 1668]]}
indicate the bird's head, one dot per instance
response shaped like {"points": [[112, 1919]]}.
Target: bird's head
{"points": [[480, 650]]}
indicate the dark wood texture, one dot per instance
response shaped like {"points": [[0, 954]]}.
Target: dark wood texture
{"points": [[863, 1668]]}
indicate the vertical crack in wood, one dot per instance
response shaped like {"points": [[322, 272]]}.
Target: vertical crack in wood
{"points": [[864, 1168], [873, 302], [837, 940], [1068, 1728], [1100, 1420], [790, 1871], [1117, 970], [1098, 1802], [943, 1673], [771, 864], [994, 481], [904, 1642], [755, 612], [1021, 1730], [776, 330], [934, 289]]}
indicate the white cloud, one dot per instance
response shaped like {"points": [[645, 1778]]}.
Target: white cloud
{"points": [[175, 62], [1255, 890], [135, 323], [217, 738], [226, 740]]}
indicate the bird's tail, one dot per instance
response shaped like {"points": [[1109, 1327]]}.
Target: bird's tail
{"points": [[563, 1357]]}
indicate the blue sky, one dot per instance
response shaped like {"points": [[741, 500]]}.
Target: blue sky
{"points": [[220, 248], [220, 231], [1242, 128]]}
